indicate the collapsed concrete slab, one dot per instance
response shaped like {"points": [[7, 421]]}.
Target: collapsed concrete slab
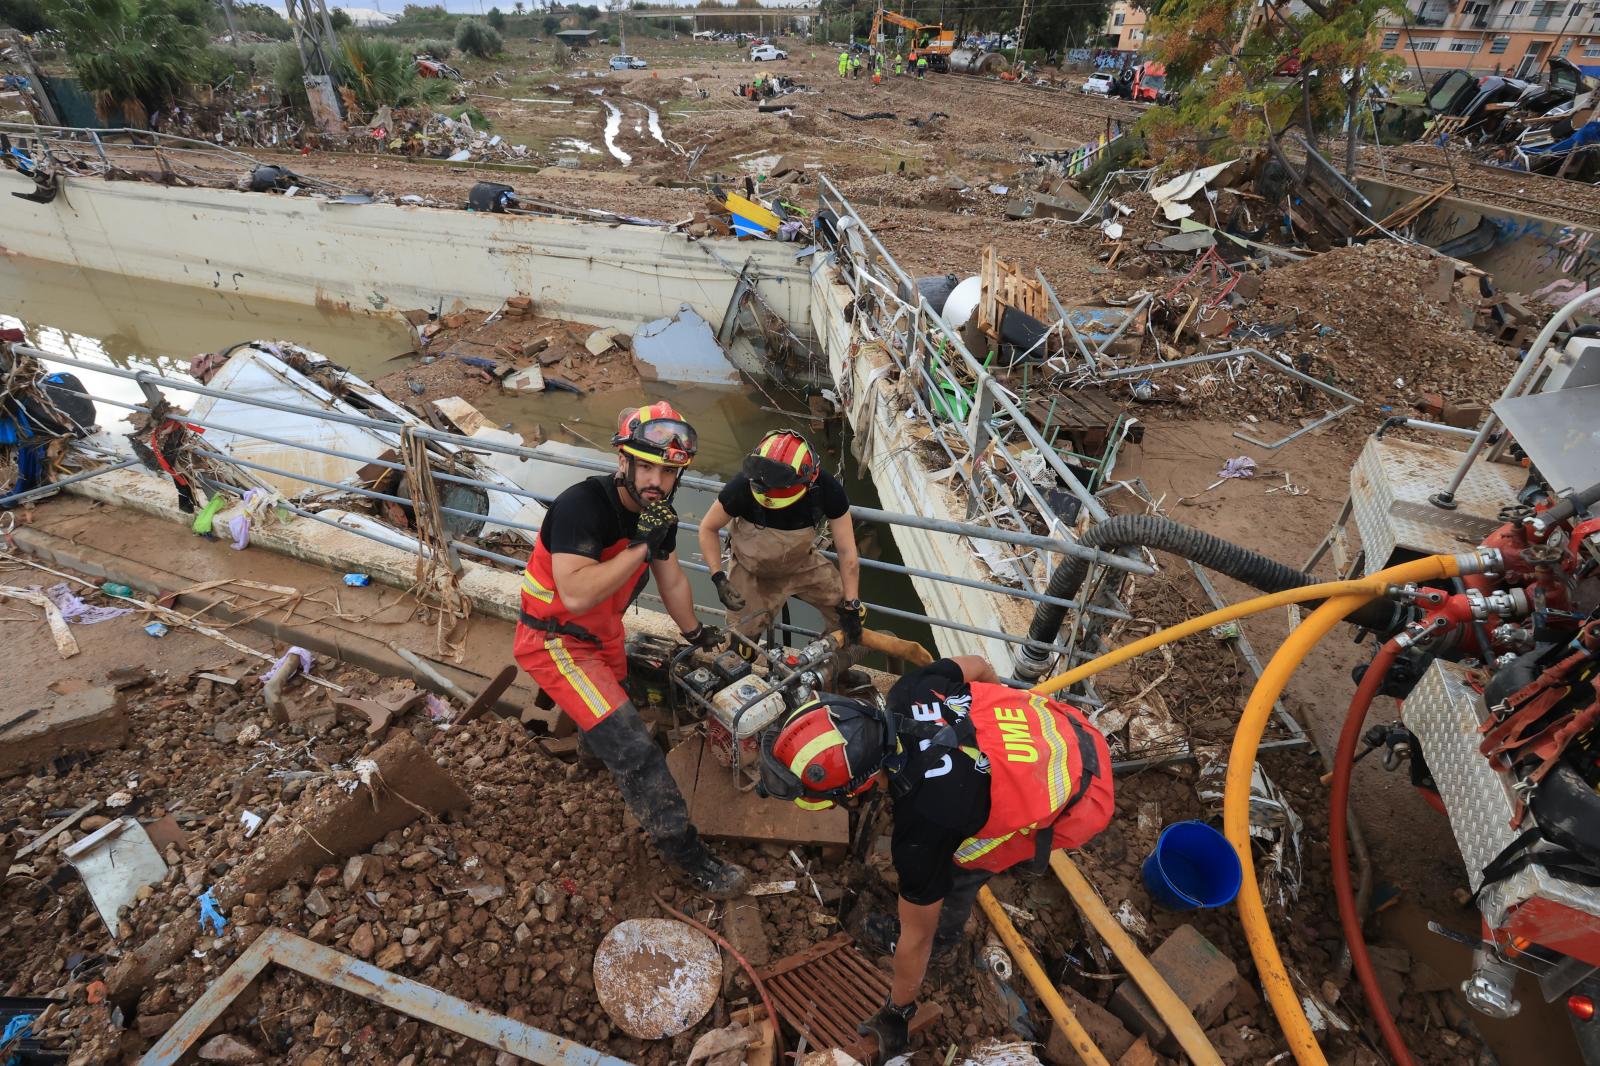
{"points": [[79, 722], [398, 784]]}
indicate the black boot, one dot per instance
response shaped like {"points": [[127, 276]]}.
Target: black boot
{"points": [[714, 877]]}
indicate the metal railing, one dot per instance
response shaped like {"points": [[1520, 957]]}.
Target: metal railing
{"points": [[95, 151], [249, 468], [890, 311]]}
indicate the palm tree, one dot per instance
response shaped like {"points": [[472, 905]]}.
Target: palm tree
{"points": [[133, 56], [519, 7]]}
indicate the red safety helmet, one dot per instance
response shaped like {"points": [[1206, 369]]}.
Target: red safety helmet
{"points": [[657, 434], [827, 750], [781, 469]]}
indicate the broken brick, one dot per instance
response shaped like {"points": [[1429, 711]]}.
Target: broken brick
{"points": [[1201, 976]]}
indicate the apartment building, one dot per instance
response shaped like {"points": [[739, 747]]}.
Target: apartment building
{"points": [[1125, 28], [1514, 37]]}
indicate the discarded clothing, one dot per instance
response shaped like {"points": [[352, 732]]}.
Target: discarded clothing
{"points": [[75, 610], [1240, 466], [293, 653]]}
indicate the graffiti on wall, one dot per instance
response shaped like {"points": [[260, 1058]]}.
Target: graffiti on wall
{"points": [[1563, 261]]}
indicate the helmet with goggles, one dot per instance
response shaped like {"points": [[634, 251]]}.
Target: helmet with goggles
{"points": [[656, 434], [781, 469]]}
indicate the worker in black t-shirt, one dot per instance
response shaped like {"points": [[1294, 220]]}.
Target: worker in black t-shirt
{"points": [[602, 539], [982, 778], [773, 510]]}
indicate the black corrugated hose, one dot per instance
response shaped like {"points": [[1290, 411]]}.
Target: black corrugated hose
{"points": [[1163, 534]]}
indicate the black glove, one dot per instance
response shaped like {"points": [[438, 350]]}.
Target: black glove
{"points": [[726, 592], [851, 614], [891, 1025], [656, 523], [704, 637]]}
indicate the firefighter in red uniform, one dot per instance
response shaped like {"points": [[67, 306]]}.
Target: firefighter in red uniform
{"points": [[982, 777], [601, 541]]}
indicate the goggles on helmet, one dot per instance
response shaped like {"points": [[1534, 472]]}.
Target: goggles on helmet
{"points": [[665, 441]]}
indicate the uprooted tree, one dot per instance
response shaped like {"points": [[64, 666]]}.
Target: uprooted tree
{"points": [[1250, 72]]}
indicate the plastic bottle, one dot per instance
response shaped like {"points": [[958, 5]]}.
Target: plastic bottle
{"points": [[112, 588]]}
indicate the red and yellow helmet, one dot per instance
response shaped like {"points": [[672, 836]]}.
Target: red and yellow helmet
{"points": [[781, 469], [657, 434], [827, 750]]}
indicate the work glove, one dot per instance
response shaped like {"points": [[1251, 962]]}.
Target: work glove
{"points": [[704, 637], [852, 613], [726, 592], [656, 523], [891, 1025]]}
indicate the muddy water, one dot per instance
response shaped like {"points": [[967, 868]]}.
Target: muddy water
{"points": [[135, 323]]}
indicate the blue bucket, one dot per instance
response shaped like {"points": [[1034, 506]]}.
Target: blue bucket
{"points": [[1193, 866]]}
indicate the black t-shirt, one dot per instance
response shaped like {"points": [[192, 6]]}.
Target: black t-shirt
{"points": [[588, 518], [825, 499], [948, 799]]}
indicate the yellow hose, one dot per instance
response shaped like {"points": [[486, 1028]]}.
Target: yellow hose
{"points": [[1043, 987], [1180, 1020], [1243, 609], [1275, 981]]}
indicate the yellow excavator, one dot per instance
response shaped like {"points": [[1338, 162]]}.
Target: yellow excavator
{"points": [[927, 38]]}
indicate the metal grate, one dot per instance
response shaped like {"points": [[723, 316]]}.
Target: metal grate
{"points": [[825, 991]]}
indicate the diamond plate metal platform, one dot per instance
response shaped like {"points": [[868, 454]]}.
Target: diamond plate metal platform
{"points": [[1444, 712], [1389, 489]]}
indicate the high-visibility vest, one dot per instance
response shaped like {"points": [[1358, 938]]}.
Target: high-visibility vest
{"points": [[1036, 752], [542, 602]]}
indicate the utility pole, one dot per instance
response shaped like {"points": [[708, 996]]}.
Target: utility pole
{"points": [[227, 14], [1022, 28], [314, 39]]}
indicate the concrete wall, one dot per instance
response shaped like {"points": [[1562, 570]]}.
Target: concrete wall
{"points": [[887, 442], [1529, 254], [388, 257]]}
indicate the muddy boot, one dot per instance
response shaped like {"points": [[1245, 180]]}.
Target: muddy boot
{"points": [[714, 877]]}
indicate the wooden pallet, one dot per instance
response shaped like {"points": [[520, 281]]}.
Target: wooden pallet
{"points": [[1082, 419], [1003, 285], [828, 989]]}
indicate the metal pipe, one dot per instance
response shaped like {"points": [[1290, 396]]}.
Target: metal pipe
{"points": [[1530, 363], [470, 444], [45, 490]]}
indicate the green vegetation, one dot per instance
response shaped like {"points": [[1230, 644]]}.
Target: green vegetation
{"points": [[497, 19], [25, 15], [478, 39], [133, 56], [1232, 93], [376, 71], [438, 49], [340, 19], [256, 18], [551, 24]]}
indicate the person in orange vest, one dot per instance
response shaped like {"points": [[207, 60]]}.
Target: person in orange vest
{"points": [[601, 541], [982, 778]]}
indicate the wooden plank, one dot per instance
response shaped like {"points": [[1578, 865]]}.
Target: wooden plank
{"points": [[720, 811]]}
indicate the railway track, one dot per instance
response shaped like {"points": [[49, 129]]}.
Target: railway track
{"points": [[1560, 198]]}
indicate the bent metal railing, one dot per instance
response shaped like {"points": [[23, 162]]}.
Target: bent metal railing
{"points": [[249, 468]]}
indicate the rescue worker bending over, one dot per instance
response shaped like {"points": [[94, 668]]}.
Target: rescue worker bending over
{"points": [[773, 508], [982, 777], [600, 542]]}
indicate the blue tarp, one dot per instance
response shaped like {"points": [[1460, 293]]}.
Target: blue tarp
{"points": [[1589, 133]]}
